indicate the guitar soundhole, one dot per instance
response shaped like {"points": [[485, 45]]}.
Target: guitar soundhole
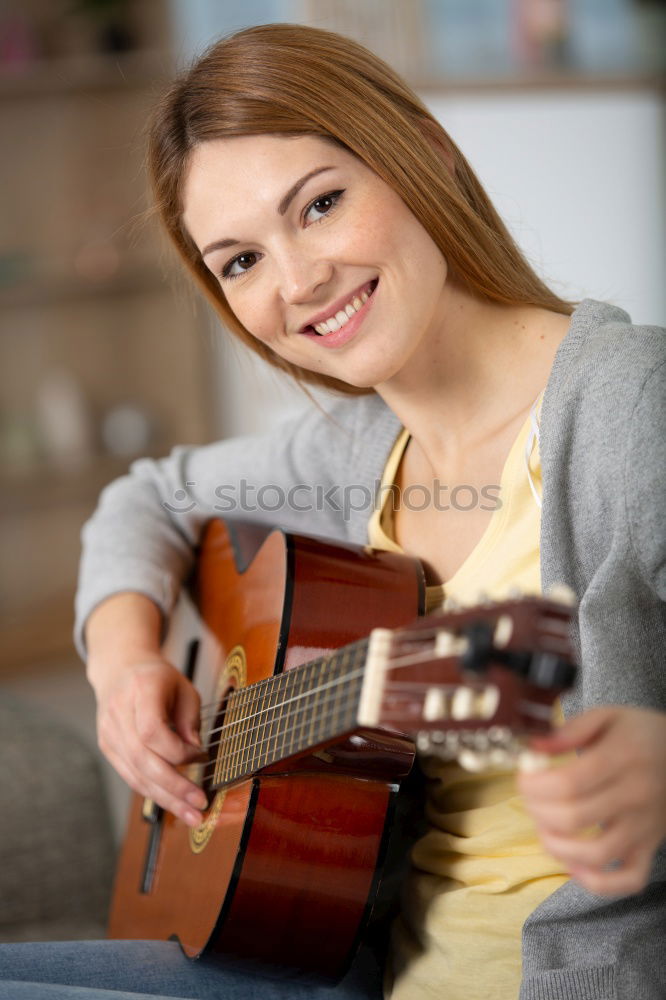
{"points": [[208, 776], [217, 730]]}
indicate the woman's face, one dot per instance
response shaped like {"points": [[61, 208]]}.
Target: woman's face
{"points": [[317, 256]]}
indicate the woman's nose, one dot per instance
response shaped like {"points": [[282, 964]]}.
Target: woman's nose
{"points": [[301, 277]]}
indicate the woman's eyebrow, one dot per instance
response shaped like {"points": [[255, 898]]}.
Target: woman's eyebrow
{"points": [[282, 208], [295, 188]]}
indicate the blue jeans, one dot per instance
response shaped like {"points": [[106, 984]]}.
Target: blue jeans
{"points": [[146, 970]]}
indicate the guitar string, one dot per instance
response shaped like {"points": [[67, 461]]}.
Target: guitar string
{"points": [[232, 758], [240, 725], [311, 721], [403, 661], [235, 758], [393, 663], [405, 635]]}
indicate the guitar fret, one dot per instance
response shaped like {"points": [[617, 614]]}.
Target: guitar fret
{"points": [[339, 689], [310, 709], [279, 716], [269, 738], [243, 733], [359, 656], [326, 690], [224, 743], [284, 715], [298, 715], [258, 749], [255, 729], [237, 734]]}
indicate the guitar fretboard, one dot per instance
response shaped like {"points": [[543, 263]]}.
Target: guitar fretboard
{"points": [[282, 716]]}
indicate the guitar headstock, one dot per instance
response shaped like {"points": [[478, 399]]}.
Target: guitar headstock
{"points": [[474, 683]]}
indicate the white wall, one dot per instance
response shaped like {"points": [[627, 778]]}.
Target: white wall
{"points": [[579, 178]]}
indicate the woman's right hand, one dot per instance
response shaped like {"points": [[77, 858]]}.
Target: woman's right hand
{"points": [[147, 711], [147, 725]]}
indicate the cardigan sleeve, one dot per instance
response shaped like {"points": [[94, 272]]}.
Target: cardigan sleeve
{"points": [[645, 480], [143, 534]]}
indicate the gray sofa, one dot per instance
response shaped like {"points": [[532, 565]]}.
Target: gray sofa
{"points": [[56, 847]]}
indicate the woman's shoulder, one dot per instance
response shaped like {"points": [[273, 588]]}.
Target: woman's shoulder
{"points": [[602, 341], [604, 360], [356, 426]]}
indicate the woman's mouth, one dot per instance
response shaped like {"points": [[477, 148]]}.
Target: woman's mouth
{"points": [[342, 316]]}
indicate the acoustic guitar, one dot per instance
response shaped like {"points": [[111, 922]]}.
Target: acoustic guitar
{"points": [[319, 678]]}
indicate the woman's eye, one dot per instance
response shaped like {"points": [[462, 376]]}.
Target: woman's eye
{"points": [[322, 206], [239, 265]]}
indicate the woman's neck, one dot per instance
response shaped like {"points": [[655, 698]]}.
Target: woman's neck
{"points": [[482, 370]]}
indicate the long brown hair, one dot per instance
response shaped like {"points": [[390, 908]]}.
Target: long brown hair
{"points": [[286, 79]]}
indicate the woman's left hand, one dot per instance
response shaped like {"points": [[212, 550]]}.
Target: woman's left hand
{"points": [[603, 813]]}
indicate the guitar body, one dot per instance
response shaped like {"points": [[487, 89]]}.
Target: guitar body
{"points": [[287, 864]]}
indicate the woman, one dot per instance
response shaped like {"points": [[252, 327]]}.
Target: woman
{"points": [[340, 233]]}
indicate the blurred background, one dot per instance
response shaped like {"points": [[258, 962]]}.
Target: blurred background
{"points": [[106, 355]]}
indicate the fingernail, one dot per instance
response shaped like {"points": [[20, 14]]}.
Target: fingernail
{"points": [[192, 818], [196, 798]]}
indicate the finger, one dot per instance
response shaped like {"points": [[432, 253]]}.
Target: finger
{"points": [[576, 733], [569, 817], [147, 773], [161, 779], [620, 840], [187, 713], [624, 796], [629, 876], [153, 724], [587, 775], [167, 788]]}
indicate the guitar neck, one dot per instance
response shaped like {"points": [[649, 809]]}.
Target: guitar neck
{"points": [[287, 714]]}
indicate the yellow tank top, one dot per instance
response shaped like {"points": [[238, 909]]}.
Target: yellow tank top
{"points": [[479, 870]]}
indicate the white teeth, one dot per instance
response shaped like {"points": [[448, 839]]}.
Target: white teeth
{"points": [[343, 316]]}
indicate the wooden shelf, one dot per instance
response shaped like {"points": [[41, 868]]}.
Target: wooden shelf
{"points": [[55, 291], [541, 81], [71, 76], [45, 487], [37, 634]]}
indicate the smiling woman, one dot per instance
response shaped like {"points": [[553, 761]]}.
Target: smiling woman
{"points": [[277, 80], [325, 266], [340, 233]]}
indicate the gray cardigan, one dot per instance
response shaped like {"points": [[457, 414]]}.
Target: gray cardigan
{"points": [[603, 455]]}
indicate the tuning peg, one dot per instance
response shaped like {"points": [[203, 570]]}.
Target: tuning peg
{"points": [[501, 757], [562, 594], [503, 631], [473, 760], [448, 644], [423, 742], [434, 705], [530, 761], [462, 703], [476, 655]]}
